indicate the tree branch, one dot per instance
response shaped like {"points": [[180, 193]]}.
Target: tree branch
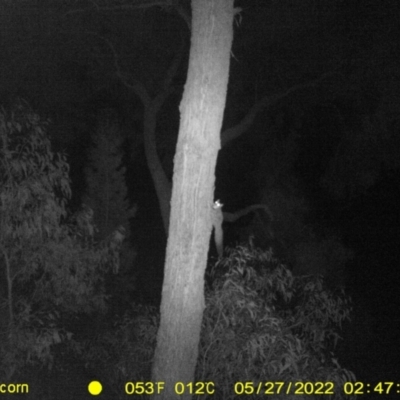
{"points": [[169, 76], [185, 16], [133, 5], [135, 86], [237, 130], [232, 217]]}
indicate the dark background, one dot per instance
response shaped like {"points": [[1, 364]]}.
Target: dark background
{"points": [[344, 129]]}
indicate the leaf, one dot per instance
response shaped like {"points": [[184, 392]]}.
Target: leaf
{"points": [[56, 337]]}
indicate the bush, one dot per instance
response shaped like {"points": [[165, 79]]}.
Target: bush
{"points": [[263, 324], [124, 351], [50, 270], [260, 324]]}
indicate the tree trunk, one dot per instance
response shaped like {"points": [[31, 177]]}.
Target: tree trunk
{"points": [[202, 109]]}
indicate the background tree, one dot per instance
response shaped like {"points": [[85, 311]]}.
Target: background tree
{"points": [[30, 209], [51, 272], [106, 194], [106, 191]]}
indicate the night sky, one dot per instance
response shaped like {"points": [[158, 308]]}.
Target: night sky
{"points": [[324, 154]]}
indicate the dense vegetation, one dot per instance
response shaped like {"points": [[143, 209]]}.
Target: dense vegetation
{"points": [[261, 322]]}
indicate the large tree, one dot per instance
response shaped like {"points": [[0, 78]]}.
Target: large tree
{"points": [[202, 109], [153, 91]]}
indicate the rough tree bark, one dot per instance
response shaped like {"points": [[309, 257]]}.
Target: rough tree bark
{"points": [[202, 109]]}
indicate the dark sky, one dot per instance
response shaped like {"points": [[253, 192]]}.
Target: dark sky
{"points": [[324, 155]]}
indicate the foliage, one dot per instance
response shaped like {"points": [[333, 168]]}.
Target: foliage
{"points": [[124, 350], [30, 174], [260, 322], [105, 176], [31, 341], [46, 265], [106, 195]]}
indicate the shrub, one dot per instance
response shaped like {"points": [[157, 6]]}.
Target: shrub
{"points": [[50, 271], [260, 324], [263, 324], [124, 351]]}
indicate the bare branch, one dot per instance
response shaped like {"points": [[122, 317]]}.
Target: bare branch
{"points": [[133, 5], [232, 217], [136, 86], [185, 16], [237, 130], [136, 5], [170, 75]]}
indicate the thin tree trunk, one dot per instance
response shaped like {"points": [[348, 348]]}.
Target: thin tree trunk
{"points": [[202, 109], [161, 183]]}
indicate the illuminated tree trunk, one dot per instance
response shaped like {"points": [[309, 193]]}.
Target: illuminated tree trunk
{"points": [[202, 109]]}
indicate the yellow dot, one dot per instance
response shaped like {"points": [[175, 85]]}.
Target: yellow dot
{"points": [[95, 388]]}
